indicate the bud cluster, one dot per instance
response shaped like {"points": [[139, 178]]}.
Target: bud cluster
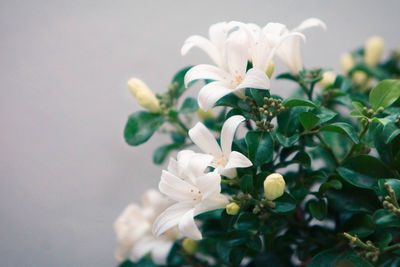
{"points": [[167, 100], [271, 108], [368, 250], [369, 255], [390, 202], [369, 112]]}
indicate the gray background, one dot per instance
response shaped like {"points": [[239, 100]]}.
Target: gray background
{"points": [[65, 170]]}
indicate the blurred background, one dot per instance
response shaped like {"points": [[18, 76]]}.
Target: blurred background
{"points": [[65, 171]]}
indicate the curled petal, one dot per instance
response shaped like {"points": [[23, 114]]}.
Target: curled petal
{"points": [[211, 93], [255, 78], [204, 44], [188, 227], [309, 23], [228, 133], [238, 160], [204, 139], [170, 217], [204, 71]]}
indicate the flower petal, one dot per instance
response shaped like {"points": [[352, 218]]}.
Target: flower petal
{"points": [[228, 133], [229, 173], [203, 138], [197, 165], [204, 71], [309, 23], [188, 227], [209, 184], [211, 93], [175, 188], [213, 202], [204, 44], [141, 248], [160, 251], [289, 51], [238, 160], [255, 78], [237, 53], [170, 217]]}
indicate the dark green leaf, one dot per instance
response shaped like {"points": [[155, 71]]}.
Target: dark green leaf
{"points": [[287, 141], [178, 82], [286, 76], [161, 153], [334, 257], [342, 128], [285, 203], [302, 158], [308, 120], [296, 102], [260, 146], [246, 183], [325, 114], [361, 225], [141, 126], [384, 94], [384, 218], [189, 106], [318, 209], [364, 171]]}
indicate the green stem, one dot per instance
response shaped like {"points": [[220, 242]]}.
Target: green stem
{"points": [[391, 248]]}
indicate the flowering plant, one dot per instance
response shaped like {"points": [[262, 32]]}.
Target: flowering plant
{"points": [[259, 180]]}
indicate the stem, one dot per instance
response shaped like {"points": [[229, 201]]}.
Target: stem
{"points": [[356, 241], [177, 122], [391, 248], [310, 92], [326, 146], [360, 136]]}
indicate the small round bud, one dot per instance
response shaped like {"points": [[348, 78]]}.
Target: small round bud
{"points": [[328, 78], [232, 208], [380, 109], [360, 78], [144, 95], [347, 62], [260, 109], [189, 245], [274, 186], [373, 50]]}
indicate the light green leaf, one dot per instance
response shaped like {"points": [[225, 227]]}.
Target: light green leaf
{"points": [[308, 120], [189, 106], [384, 94], [141, 126], [342, 128], [296, 102]]}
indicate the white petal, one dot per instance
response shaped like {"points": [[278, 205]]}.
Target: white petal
{"points": [[238, 160], [197, 165], [209, 184], [229, 173], [160, 251], [188, 227], [204, 71], [289, 52], [211, 93], [228, 133], [175, 188], [204, 139], [309, 23], [237, 53], [173, 167], [213, 202], [255, 78], [204, 44], [152, 198], [170, 217], [141, 248]]}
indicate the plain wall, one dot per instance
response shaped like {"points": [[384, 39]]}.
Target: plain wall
{"points": [[65, 170]]}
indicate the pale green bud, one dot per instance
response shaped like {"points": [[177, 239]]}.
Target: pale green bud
{"points": [[347, 62], [232, 208], [271, 68], [360, 78], [144, 95], [328, 78], [274, 186], [205, 114], [373, 50], [189, 245]]}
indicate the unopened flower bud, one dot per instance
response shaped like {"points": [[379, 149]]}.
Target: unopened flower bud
{"points": [[373, 50], [271, 68], [189, 245], [328, 78], [347, 62], [205, 114], [232, 208], [144, 95], [360, 78], [274, 186]]}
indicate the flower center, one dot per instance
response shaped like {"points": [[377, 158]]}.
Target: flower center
{"points": [[221, 161], [197, 197]]}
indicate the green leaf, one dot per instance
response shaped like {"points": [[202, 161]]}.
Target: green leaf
{"points": [[334, 257], [325, 114], [178, 82], [258, 95], [364, 171], [286, 76], [308, 120], [141, 126], [260, 146], [358, 106], [384, 218], [302, 158], [318, 209], [246, 183], [361, 225], [189, 106], [335, 184], [342, 128], [390, 132], [296, 102], [285, 203], [161, 153], [287, 141], [352, 200], [384, 94]]}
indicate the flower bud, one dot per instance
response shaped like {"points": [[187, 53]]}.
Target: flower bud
{"points": [[360, 78], [271, 68], [189, 245], [373, 50], [205, 114], [347, 62], [328, 78], [274, 186], [232, 208], [144, 95]]}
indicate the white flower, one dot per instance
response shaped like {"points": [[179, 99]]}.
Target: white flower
{"points": [[194, 192], [289, 50], [133, 230], [230, 76], [223, 158]]}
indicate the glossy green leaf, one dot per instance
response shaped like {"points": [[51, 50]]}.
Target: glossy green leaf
{"points": [[384, 218], [364, 171], [384, 94], [260, 146], [324, 114], [285, 203], [141, 126], [342, 128], [287, 141], [308, 120], [189, 106], [318, 209], [297, 102], [334, 257], [246, 183]]}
